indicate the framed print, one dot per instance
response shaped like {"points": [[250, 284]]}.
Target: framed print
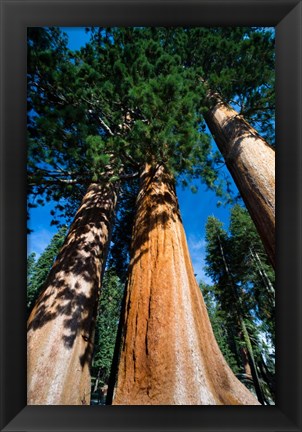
{"points": [[17, 17]]}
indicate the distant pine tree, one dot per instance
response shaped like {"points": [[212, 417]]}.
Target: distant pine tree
{"points": [[106, 328], [31, 263], [236, 298], [37, 272], [222, 328]]}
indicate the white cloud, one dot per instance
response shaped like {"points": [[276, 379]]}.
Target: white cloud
{"points": [[197, 252], [38, 241], [196, 244]]}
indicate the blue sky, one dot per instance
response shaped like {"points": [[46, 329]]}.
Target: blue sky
{"points": [[195, 208]]}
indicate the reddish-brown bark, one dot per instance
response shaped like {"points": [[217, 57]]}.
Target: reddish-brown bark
{"points": [[61, 325], [251, 162], [169, 354]]}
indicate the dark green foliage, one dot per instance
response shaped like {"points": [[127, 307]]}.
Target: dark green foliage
{"points": [[37, 272], [222, 328], [119, 254], [56, 128], [31, 263], [107, 326], [147, 102], [133, 95], [126, 98], [247, 262], [238, 63], [250, 265]]}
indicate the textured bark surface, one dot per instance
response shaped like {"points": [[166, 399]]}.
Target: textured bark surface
{"points": [[169, 354], [61, 325], [251, 162]]}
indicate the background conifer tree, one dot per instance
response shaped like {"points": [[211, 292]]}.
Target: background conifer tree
{"points": [[106, 330], [235, 295], [38, 271]]}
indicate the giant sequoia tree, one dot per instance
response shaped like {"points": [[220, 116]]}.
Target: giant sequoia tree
{"points": [[251, 161], [61, 325], [242, 74], [169, 353], [65, 311], [248, 156], [125, 104]]}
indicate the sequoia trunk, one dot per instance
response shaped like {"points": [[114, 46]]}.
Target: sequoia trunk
{"points": [[169, 354], [61, 325], [251, 162]]}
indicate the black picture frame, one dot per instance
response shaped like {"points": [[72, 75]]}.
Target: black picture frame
{"points": [[16, 16]]}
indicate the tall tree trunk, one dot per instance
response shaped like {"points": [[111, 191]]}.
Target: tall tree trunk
{"points": [[245, 362], [169, 354], [61, 326], [251, 162], [268, 285], [255, 375], [268, 377], [245, 334]]}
